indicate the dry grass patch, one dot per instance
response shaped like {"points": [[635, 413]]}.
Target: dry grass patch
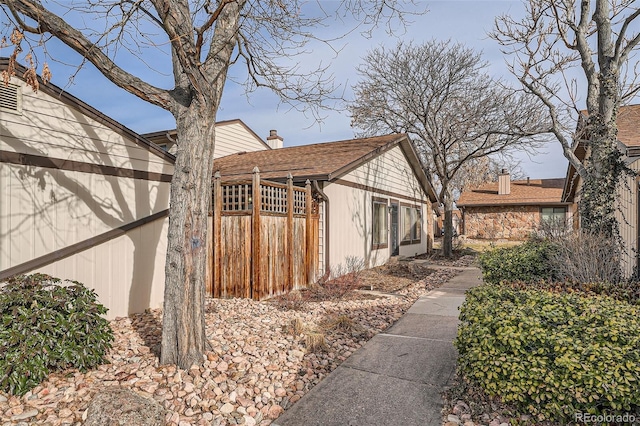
{"points": [[341, 323], [315, 342]]}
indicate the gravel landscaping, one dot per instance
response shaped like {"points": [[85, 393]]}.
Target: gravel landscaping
{"points": [[263, 357], [469, 406]]}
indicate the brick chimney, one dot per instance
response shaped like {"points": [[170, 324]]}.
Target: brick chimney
{"points": [[504, 183], [273, 140]]}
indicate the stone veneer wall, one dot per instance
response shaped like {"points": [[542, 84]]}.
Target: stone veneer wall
{"points": [[496, 222]]}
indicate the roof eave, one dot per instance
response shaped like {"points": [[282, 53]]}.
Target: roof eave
{"points": [[541, 203]]}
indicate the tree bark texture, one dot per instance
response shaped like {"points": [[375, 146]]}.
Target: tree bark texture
{"points": [[447, 238], [599, 36], [183, 328]]}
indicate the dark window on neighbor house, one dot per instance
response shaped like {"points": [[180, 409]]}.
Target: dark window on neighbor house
{"points": [[553, 214], [411, 224], [380, 227]]}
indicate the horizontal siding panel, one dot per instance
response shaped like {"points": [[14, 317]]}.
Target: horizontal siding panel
{"points": [[127, 272], [388, 172], [47, 122], [234, 137], [82, 149], [627, 215], [47, 210]]}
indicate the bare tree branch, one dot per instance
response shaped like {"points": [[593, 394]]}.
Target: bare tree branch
{"points": [[441, 95], [201, 38], [544, 57]]}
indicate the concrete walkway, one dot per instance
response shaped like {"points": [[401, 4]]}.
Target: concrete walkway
{"points": [[398, 377]]}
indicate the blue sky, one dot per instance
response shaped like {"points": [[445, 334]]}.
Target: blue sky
{"points": [[462, 21]]}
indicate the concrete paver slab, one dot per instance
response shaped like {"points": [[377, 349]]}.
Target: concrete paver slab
{"points": [[426, 326], [397, 378], [400, 356], [358, 398], [437, 303], [454, 291]]}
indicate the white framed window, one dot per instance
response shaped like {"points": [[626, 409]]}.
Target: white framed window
{"points": [[411, 224], [380, 224]]}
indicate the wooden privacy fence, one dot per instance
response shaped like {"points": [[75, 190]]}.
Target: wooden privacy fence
{"points": [[264, 239]]}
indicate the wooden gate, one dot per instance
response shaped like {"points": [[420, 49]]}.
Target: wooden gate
{"points": [[264, 240]]}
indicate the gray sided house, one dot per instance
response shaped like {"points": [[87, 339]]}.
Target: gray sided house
{"points": [[375, 201], [84, 198]]}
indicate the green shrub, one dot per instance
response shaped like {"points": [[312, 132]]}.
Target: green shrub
{"points": [[526, 262], [626, 291], [549, 354], [48, 325]]}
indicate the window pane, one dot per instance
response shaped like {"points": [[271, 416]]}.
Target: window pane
{"points": [[380, 229], [406, 224], [417, 228], [556, 214]]}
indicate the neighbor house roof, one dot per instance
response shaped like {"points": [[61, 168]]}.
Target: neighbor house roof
{"points": [[522, 192], [322, 161], [164, 136]]}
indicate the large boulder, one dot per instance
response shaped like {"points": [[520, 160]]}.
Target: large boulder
{"points": [[116, 406]]}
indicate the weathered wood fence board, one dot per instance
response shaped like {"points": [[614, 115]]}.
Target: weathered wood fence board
{"points": [[264, 240]]}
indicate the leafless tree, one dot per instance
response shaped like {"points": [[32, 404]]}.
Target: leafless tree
{"points": [[201, 40], [483, 170], [442, 96], [554, 47]]}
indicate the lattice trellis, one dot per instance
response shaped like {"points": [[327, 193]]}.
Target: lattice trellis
{"points": [[238, 197]]}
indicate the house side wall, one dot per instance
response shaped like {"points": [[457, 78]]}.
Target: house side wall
{"points": [[501, 222], [234, 137], [44, 209], [127, 272], [627, 215], [387, 177], [48, 127]]}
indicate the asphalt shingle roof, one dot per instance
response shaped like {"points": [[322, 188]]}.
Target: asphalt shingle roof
{"points": [[317, 161], [523, 192]]}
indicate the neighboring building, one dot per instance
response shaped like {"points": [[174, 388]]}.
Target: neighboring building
{"points": [[81, 197], [376, 199], [456, 221], [231, 136], [628, 121], [512, 209]]}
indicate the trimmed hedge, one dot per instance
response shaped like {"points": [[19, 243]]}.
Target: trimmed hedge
{"points": [[549, 354], [47, 325], [528, 262], [628, 291]]}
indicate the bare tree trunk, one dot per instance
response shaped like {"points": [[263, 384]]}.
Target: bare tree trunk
{"points": [[604, 166], [183, 338], [447, 238]]}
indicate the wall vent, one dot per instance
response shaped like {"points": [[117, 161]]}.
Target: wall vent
{"points": [[11, 98]]}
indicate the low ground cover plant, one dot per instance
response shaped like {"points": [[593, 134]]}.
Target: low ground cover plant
{"points": [[549, 354], [626, 291], [48, 325]]}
